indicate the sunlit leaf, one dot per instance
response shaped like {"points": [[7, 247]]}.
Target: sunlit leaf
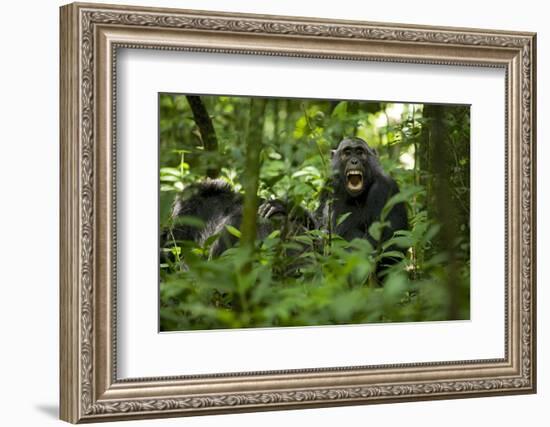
{"points": [[340, 110]]}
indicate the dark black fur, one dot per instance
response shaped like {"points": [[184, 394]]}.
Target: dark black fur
{"points": [[213, 202], [217, 205], [365, 204]]}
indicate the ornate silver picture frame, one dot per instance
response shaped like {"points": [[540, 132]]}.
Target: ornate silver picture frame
{"points": [[90, 388]]}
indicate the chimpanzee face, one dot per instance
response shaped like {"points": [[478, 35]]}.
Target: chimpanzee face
{"points": [[350, 161]]}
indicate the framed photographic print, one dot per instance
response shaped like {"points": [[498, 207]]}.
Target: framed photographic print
{"points": [[265, 212]]}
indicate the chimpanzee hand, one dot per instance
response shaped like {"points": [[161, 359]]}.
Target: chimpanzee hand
{"points": [[271, 208]]}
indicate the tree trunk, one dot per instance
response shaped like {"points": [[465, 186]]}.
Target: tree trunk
{"points": [[439, 166], [254, 137]]}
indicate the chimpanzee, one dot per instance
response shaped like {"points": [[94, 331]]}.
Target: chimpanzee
{"points": [[360, 187], [214, 204], [217, 205]]}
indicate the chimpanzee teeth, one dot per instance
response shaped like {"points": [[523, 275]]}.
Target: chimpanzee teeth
{"points": [[354, 176]]}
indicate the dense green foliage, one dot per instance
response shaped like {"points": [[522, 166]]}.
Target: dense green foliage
{"points": [[315, 278]]}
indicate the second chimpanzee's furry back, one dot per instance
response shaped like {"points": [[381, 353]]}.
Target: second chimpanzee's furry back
{"points": [[217, 205]]}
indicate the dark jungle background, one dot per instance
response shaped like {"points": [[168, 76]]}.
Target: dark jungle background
{"points": [[425, 148]]}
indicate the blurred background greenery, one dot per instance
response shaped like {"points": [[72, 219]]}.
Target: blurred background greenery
{"points": [[425, 148]]}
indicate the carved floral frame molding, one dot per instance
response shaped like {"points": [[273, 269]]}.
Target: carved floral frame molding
{"points": [[90, 36]]}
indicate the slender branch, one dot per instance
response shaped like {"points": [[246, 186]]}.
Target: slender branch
{"points": [[311, 130], [206, 129]]}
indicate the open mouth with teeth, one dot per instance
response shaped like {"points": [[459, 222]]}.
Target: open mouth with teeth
{"points": [[354, 181]]}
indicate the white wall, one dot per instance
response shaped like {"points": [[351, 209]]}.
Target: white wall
{"points": [[29, 170]]}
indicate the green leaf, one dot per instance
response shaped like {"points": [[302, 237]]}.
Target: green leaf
{"points": [[274, 234], [170, 171], [400, 241], [166, 188], [392, 254], [307, 171], [375, 230], [341, 110], [191, 221], [394, 288], [342, 218], [211, 240], [233, 231], [169, 178], [304, 239]]}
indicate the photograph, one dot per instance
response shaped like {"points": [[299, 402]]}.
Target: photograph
{"points": [[264, 212], [277, 212]]}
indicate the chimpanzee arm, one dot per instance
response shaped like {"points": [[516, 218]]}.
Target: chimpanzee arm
{"points": [[296, 214]]}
